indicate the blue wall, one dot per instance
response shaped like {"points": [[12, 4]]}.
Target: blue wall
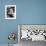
{"points": [[27, 12]]}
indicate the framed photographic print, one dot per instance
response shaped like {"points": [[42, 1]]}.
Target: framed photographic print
{"points": [[33, 32], [10, 11]]}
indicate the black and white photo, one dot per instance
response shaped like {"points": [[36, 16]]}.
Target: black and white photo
{"points": [[10, 11]]}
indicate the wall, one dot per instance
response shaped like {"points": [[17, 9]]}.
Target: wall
{"points": [[27, 12]]}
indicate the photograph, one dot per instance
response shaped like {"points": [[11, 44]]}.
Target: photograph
{"points": [[10, 11], [29, 33]]}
